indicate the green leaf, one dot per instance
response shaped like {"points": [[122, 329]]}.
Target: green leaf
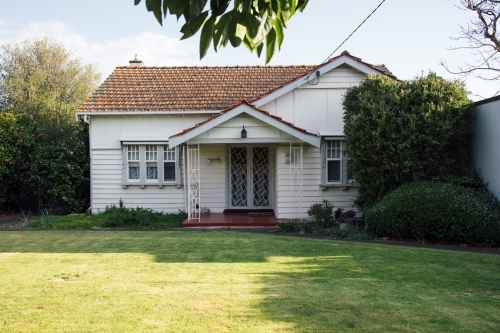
{"points": [[293, 6], [270, 45], [301, 5], [276, 6], [206, 36], [196, 7], [266, 24], [248, 44], [220, 31], [278, 29], [259, 49], [191, 28], [136, 2], [285, 12], [177, 7], [252, 24], [219, 7], [165, 8], [155, 7], [236, 32]]}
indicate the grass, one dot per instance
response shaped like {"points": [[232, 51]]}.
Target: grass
{"points": [[88, 281]]}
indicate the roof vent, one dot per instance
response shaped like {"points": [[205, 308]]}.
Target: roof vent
{"points": [[136, 62]]}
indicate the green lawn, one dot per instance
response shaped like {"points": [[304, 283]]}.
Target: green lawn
{"points": [[108, 281]]}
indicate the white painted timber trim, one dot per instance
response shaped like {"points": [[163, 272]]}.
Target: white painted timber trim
{"points": [[143, 140], [132, 113], [243, 108], [323, 69], [327, 133], [244, 141]]}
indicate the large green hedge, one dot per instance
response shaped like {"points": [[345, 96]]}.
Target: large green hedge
{"points": [[53, 156], [402, 131], [17, 137], [437, 211]]}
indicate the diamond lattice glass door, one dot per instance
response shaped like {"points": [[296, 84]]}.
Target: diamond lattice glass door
{"points": [[260, 176], [239, 177]]}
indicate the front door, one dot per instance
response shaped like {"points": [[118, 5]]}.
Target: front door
{"points": [[249, 177]]}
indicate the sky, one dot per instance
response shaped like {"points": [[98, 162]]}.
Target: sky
{"points": [[410, 37]]}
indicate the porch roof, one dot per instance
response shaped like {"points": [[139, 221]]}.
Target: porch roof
{"points": [[244, 107]]}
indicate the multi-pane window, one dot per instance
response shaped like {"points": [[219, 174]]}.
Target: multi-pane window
{"points": [[168, 164], [147, 164], [334, 161], [133, 163], [151, 162]]}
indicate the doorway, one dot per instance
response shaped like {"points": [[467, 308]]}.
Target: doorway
{"points": [[250, 178]]}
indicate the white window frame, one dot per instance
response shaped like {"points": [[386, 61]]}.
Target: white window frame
{"points": [[151, 160], [149, 156], [334, 153], [135, 161], [169, 156], [344, 182]]}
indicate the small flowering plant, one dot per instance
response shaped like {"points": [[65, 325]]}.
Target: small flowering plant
{"points": [[345, 216], [338, 213]]}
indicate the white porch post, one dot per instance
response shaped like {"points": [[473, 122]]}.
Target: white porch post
{"points": [[296, 181], [193, 183]]}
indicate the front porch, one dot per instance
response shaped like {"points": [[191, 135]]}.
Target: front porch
{"points": [[234, 219]]}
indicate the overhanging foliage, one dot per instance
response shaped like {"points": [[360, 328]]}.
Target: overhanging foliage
{"points": [[252, 23]]}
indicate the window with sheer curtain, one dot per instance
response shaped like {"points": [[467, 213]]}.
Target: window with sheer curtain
{"points": [[150, 164]]}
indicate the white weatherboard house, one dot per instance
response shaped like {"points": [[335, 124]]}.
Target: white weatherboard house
{"points": [[224, 138]]}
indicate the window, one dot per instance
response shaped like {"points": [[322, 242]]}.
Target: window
{"points": [[150, 164], [335, 162], [168, 164], [133, 165]]}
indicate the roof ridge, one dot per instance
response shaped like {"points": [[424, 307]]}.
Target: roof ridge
{"points": [[213, 66]]}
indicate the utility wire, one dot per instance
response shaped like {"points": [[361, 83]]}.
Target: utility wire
{"points": [[352, 33]]}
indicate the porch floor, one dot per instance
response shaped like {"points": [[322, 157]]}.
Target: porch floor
{"points": [[232, 219]]}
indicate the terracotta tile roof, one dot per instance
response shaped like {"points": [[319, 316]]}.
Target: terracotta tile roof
{"points": [[235, 106], [134, 88]]}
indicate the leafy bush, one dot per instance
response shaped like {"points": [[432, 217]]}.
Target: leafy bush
{"points": [[122, 216], [16, 141], [60, 163], [55, 156], [322, 213], [112, 217], [401, 131], [289, 226], [349, 232], [437, 211]]}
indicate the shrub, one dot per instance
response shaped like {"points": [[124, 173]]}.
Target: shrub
{"points": [[349, 232], [437, 211], [402, 131], [139, 217], [16, 142], [289, 226], [322, 213]]}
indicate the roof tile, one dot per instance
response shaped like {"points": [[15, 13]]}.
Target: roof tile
{"points": [[146, 88]]}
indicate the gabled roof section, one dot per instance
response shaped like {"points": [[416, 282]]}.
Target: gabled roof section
{"points": [[244, 107], [185, 89], [344, 58]]}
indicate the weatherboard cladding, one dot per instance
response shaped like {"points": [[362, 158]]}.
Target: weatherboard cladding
{"points": [[193, 88]]}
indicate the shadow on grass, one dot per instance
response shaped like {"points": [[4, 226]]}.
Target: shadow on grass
{"points": [[318, 285]]}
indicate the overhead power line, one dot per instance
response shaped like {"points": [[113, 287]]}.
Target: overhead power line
{"points": [[345, 40]]}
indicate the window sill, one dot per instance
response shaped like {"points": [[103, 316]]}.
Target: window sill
{"points": [[153, 184], [344, 186]]}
